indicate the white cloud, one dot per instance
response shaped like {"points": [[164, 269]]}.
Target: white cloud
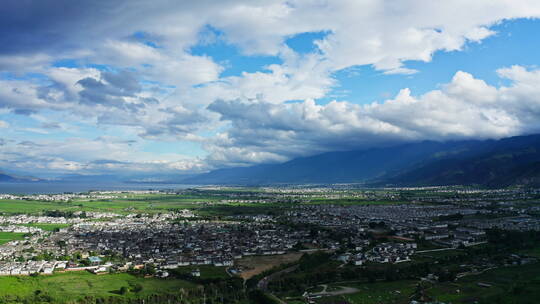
{"points": [[22, 64], [465, 108], [100, 155], [172, 68], [4, 124], [266, 115]]}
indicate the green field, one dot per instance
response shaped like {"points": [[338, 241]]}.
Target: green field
{"points": [[47, 227], [374, 293], [204, 204], [534, 252], [148, 203], [125, 206], [71, 286], [32, 207], [10, 236], [516, 284], [135, 204]]}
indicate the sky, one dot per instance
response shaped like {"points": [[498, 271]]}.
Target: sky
{"points": [[182, 87]]}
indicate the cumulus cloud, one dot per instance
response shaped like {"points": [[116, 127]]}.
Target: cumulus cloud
{"points": [[112, 90], [380, 33], [464, 108], [99, 155], [130, 66]]}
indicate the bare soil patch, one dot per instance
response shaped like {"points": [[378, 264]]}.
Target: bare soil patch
{"points": [[260, 263]]}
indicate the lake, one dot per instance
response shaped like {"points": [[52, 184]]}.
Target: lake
{"points": [[61, 187]]}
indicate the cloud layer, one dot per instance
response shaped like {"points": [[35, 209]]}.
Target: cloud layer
{"points": [[464, 108], [118, 76]]}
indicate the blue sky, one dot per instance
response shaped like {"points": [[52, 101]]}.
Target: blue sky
{"points": [[190, 87]]}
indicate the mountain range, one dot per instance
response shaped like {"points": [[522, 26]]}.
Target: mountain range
{"points": [[8, 178], [490, 163]]}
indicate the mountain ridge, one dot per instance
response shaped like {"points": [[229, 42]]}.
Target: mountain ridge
{"points": [[10, 178], [422, 163]]}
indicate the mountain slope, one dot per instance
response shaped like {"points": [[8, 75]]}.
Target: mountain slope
{"points": [[339, 167], [510, 161], [490, 163], [7, 178]]}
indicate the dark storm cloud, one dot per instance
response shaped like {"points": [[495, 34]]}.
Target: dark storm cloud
{"points": [[24, 111], [180, 122], [47, 92], [97, 92], [255, 115], [124, 82], [111, 90], [28, 26]]}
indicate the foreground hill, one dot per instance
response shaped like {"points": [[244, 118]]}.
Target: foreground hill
{"points": [[490, 162]]}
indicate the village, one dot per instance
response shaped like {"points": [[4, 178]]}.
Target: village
{"points": [[102, 242]]}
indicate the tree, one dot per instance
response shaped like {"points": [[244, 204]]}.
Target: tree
{"points": [[137, 288], [149, 269]]}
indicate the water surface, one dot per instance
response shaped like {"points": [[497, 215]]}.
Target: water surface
{"points": [[61, 187]]}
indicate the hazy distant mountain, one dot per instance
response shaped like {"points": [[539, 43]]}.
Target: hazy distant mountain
{"points": [[6, 178], [88, 178], [492, 163], [339, 167], [9, 178], [127, 178], [489, 162]]}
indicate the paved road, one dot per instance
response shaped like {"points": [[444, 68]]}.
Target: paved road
{"points": [[342, 291], [263, 283]]}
